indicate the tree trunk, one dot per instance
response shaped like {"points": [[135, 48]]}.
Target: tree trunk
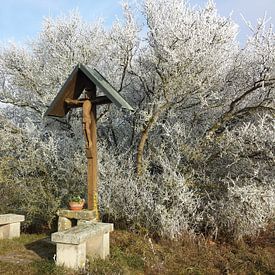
{"points": [[144, 137]]}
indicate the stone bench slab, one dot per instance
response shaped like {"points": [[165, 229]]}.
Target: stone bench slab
{"points": [[81, 233], [78, 215], [11, 218]]}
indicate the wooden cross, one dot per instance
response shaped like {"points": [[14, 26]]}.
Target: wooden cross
{"points": [[84, 78]]}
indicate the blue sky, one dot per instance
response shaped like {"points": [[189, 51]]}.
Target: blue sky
{"points": [[22, 19]]}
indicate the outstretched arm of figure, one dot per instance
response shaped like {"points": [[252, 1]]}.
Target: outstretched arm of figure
{"points": [[74, 102]]}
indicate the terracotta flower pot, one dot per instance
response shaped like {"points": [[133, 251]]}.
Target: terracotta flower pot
{"points": [[76, 206]]}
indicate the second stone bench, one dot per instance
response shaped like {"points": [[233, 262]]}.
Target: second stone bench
{"points": [[87, 239], [10, 225]]}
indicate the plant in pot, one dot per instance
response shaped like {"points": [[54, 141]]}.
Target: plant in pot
{"points": [[76, 203]]}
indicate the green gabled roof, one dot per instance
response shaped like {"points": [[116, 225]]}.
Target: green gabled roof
{"points": [[84, 77]]}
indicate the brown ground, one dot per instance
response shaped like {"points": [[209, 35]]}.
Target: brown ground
{"points": [[133, 253]]}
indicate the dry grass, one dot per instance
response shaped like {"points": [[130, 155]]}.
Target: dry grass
{"points": [[192, 255], [135, 253]]}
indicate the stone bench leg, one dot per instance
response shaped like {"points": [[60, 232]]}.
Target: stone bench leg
{"points": [[9, 231], [98, 246], [71, 255]]}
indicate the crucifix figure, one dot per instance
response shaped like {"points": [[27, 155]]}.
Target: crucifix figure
{"points": [[87, 79], [87, 123], [86, 105]]}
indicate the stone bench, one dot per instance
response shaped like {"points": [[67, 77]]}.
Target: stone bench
{"points": [[10, 225], [86, 239]]}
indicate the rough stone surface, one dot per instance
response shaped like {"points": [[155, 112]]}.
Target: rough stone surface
{"points": [[78, 215], [84, 222], [64, 223], [14, 230], [82, 233], [70, 255], [9, 231], [4, 231], [10, 225], [11, 218], [98, 246]]}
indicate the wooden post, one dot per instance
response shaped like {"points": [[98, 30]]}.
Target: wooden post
{"points": [[92, 167]]}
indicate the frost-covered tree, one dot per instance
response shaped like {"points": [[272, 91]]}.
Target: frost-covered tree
{"points": [[198, 152]]}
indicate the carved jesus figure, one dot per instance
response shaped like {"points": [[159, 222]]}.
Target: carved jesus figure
{"points": [[87, 122], [86, 117]]}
